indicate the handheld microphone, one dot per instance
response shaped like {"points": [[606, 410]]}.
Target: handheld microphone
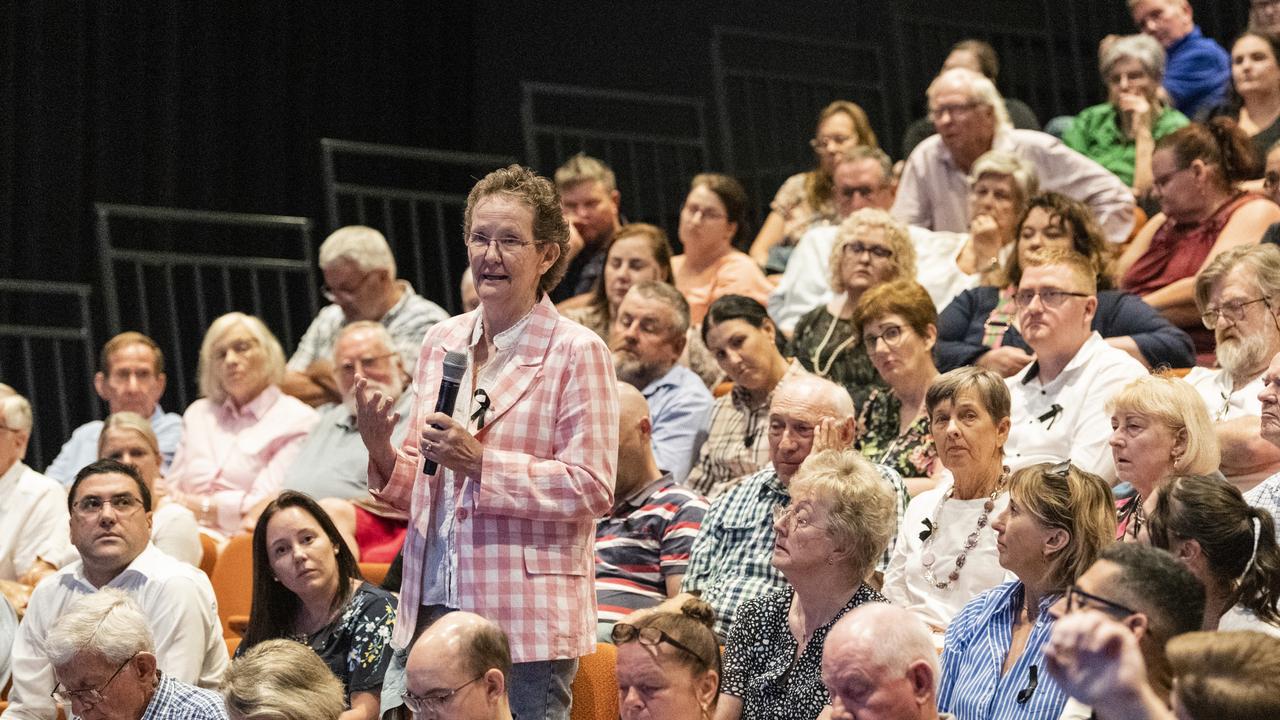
{"points": [[455, 364]]}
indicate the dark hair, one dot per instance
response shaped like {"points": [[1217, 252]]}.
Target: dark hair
{"points": [[488, 648], [1086, 237], [988, 62], [539, 195], [741, 307], [1233, 101], [274, 606], [105, 467], [693, 627], [1215, 514], [734, 197], [659, 245], [1155, 584], [1218, 143]]}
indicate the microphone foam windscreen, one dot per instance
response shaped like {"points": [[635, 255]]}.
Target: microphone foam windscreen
{"points": [[455, 364]]}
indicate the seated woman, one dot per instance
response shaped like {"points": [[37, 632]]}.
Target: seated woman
{"points": [[978, 327], [281, 680], [1160, 429], [898, 326], [1201, 214], [669, 664], [1120, 133], [638, 252], [830, 537], [307, 587], [1227, 544], [806, 199], [238, 439], [1058, 520], [1253, 99], [713, 220], [946, 549], [871, 248]]}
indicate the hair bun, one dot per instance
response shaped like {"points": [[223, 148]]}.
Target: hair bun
{"points": [[700, 610]]}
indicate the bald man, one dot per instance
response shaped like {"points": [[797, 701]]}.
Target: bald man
{"points": [[880, 664], [458, 670]]}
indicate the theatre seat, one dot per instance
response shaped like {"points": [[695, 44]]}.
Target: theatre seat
{"points": [[233, 580], [595, 688], [374, 572], [209, 553]]}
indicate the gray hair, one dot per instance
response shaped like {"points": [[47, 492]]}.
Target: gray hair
{"points": [[667, 294], [364, 246], [210, 387], [981, 91], [856, 153], [898, 638], [862, 517], [281, 680], [17, 412], [1143, 48], [837, 397], [380, 333], [1264, 262], [1001, 162], [987, 385], [107, 622]]}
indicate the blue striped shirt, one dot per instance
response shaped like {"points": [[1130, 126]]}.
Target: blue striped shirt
{"points": [[977, 644]]}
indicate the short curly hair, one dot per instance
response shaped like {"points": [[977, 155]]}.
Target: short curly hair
{"points": [[895, 234], [539, 194]]}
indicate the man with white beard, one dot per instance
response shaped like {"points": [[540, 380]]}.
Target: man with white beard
{"points": [[1238, 296]]}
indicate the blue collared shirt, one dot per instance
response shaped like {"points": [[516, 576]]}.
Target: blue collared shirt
{"points": [[82, 448], [1196, 72], [680, 409]]}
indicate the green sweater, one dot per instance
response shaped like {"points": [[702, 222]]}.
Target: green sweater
{"points": [[1096, 134]]}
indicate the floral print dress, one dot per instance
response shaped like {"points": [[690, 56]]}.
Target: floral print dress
{"points": [[357, 645], [911, 454]]}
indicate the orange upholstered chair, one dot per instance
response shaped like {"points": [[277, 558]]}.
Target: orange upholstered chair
{"points": [[374, 572], [595, 688], [233, 580], [209, 553]]}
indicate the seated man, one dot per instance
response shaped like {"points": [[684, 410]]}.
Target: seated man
{"points": [[1238, 295], [868, 653], [110, 517], [590, 201], [648, 337], [730, 559], [85, 647], [458, 650], [1059, 400], [642, 545], [1267, 494], [360, 282], [1197, 69], [131, 378]]}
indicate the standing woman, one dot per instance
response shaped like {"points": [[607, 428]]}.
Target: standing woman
{"points": [[1253, 100], [504, 526], [638, 252]]}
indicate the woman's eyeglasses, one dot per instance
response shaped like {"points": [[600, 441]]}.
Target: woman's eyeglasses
{"points": [[651, 636]]}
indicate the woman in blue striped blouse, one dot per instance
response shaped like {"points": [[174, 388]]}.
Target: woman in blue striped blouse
{"points": [[1058, 520]]}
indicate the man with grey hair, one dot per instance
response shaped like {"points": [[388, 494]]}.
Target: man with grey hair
{"points": [[971, 119], [590, 200], [360, 283], [104, 661]]}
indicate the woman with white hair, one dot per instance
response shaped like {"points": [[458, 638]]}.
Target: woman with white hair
{"points": [[243, 433]]}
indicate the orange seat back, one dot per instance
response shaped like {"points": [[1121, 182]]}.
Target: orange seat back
{"points": [[374, 572], [595, 688], [233, 580], [209, 553]]}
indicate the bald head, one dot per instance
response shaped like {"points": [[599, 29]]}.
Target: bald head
{"points": [[799, 405], [871, 648], [465, 651], [637, 466]]}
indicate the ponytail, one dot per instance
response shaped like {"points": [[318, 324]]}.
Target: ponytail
{"points": [[1219, 143], [1258, 588]]}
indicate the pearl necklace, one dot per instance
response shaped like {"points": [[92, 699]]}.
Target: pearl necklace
{"points": [[818, 369], [927, 558]]}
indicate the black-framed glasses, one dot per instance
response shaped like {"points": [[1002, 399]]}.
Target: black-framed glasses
{"points": [[1078, 599], [892, 335], [506, 245], [856, 248], [1233, 311], [89, 696], [1051, 297], [431, 704], [865, 191], [91, 507], [623, 633]]}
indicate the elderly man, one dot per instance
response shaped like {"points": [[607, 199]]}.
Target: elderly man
{"points": [[869, 654], [110, 526], [104, 660], [648, 337], [131, 378], [642, 544], [730, 560], [1197, 69], [1059, 400], [590, 201], [1238, 295], [458, 670], [1267, 494], [360, 282], [971, 119]]}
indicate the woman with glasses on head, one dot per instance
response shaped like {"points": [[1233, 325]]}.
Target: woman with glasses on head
{"points": [[668, 664], [1058, 520], [829, 539]]}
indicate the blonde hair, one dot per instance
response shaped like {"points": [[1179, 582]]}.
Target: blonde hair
{"points": [[210, 386], [1077, 502], [281, 680], [862, 515], [1174, 403], [583, 168], [124, 340], [1233, 674], [1000, 162], [132, 422], [16, 411], [895, 233]]}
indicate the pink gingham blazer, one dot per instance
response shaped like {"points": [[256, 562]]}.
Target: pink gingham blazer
{"points": [[526, 539]]}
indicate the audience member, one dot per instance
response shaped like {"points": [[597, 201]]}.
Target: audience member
{"points": [[110, 509], [946, 550], [1120, 133], [1264, 16], [672, 670], [1271, 187], [979, 327], [746, 345], [730, 559], [1253, 98], [811, 199], [1058, 521], [307, 587], [971, 119], [360, 284], [898, 326], [590, 201], [281, 680], [1197, 69], [638, 252], [104, 661], [828, 542], [8, 631], [1267, 494], [713, 220], [131, 379], [642, 543], [870, 652], [1058, 400], [244, 432], [460, 668]]}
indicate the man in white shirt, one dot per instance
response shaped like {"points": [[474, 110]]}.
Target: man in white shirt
{"points": [[1058, 401], [1238, 296], [110, 527]]}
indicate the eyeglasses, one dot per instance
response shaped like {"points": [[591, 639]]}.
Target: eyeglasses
{"points": [[1050, 297], [865, 191], [708, 214], [623, 633], [957, 110], [332, 294], [892, 335], [91, 507], [349, 368], [1059, 471], [431, 704], [89, 696], [1078, 599], [857, 248], [506, 245], [820, 143], [791, 519], [1233, 311]]}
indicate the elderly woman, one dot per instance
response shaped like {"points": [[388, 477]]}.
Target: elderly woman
{"points": [[1120, 134], [638, 252], [946, 550], [713, 220], [243, 433], [871, 248], [829, 539], [898, 326], [1160, 429], [1253, 100], [807, 198], [668, 664], [1227, 544], [527, 454], [1058, 520], [281, 680], [978, 326]]}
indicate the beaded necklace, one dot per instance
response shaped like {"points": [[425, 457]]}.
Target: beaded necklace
{"points": [[818, 369], [927, 558]]}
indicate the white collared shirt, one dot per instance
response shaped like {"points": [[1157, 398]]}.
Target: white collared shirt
{"points": [[33, 520], [1223, 403]]}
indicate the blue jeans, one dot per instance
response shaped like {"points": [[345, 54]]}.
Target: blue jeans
{"points": [[542, 689]]}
